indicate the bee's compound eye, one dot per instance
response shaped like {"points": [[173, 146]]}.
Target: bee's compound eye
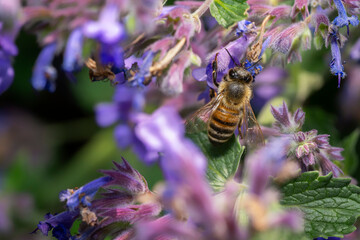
{"points": [[233, 74], [248, 78]]}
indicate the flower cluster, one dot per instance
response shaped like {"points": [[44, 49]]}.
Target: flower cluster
{"points": [[117, 204], [307, 148], [127, 209]]}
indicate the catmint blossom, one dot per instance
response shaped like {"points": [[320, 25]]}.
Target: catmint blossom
{"points": [[122, 188], [45, 74], [307, 148]]}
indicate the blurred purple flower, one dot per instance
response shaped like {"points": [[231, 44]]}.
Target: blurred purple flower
{"points": [[44, 74], [126, 101], [6, 72], [172, 84], [108, 30], [143, 74], [353, 6], [163, 132], [266, 163], [300, 6], [165, 228], [73, 51], [355, 51], [284, 41], [268, 84]]}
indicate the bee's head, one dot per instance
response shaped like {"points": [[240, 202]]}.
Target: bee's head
{"points": [[240, 74]]}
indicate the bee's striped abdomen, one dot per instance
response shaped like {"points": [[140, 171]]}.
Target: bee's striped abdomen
{"points": [[222, 124]]}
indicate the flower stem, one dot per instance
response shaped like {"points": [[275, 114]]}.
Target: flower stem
{"points": [[202, 9]]}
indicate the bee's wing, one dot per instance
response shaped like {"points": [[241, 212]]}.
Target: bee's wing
{"points": [[197, 121], [250, 128]]}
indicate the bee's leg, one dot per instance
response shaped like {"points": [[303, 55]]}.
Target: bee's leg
{"points": [[212, 93], [239, 129], [214, 72]]}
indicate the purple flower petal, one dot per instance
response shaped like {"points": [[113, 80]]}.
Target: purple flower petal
{"points": [[43, 75], [172, 84], [73, 51], [107, 30], [123, 135], [84, 194], [106, 114], [6, 73]]}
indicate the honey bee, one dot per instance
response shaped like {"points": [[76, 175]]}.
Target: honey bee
{"points": [[230, 108]]}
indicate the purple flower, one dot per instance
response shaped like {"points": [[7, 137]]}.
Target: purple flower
{"points": [[284, 41], [266, 163], [336, 66], [285, 122], [308, 148], [107, 30], [6, 73], [172, 84], [44, 74], [73, 51], [343, 20], [126, 101], [237, 50], [60, 224], [143, 75], [268, 84], [84, 194], [300, 6], [164, 131], [355, 51]]}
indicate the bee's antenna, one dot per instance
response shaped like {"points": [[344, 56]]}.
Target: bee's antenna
{"points": [[253, 64], [231, 57]]}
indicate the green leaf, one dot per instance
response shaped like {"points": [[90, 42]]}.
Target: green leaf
{"points": [[228, 12], [223, 160], [351, 158], [330, 205]]}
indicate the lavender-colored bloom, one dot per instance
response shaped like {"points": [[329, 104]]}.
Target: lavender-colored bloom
{"points": [[268, 84], [107, 30], [126, 100], [266, 163], [285, 122], [300, 6], [355, 51], [165, 228], [44, 73], [60, 224], [343, 20], [143, 74], [6, 73], [84, 194], [237, 50], [73, 51], [284, 41], [308, 148], [243, 27], [172, 84], [164, 131], [336, 66]]}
